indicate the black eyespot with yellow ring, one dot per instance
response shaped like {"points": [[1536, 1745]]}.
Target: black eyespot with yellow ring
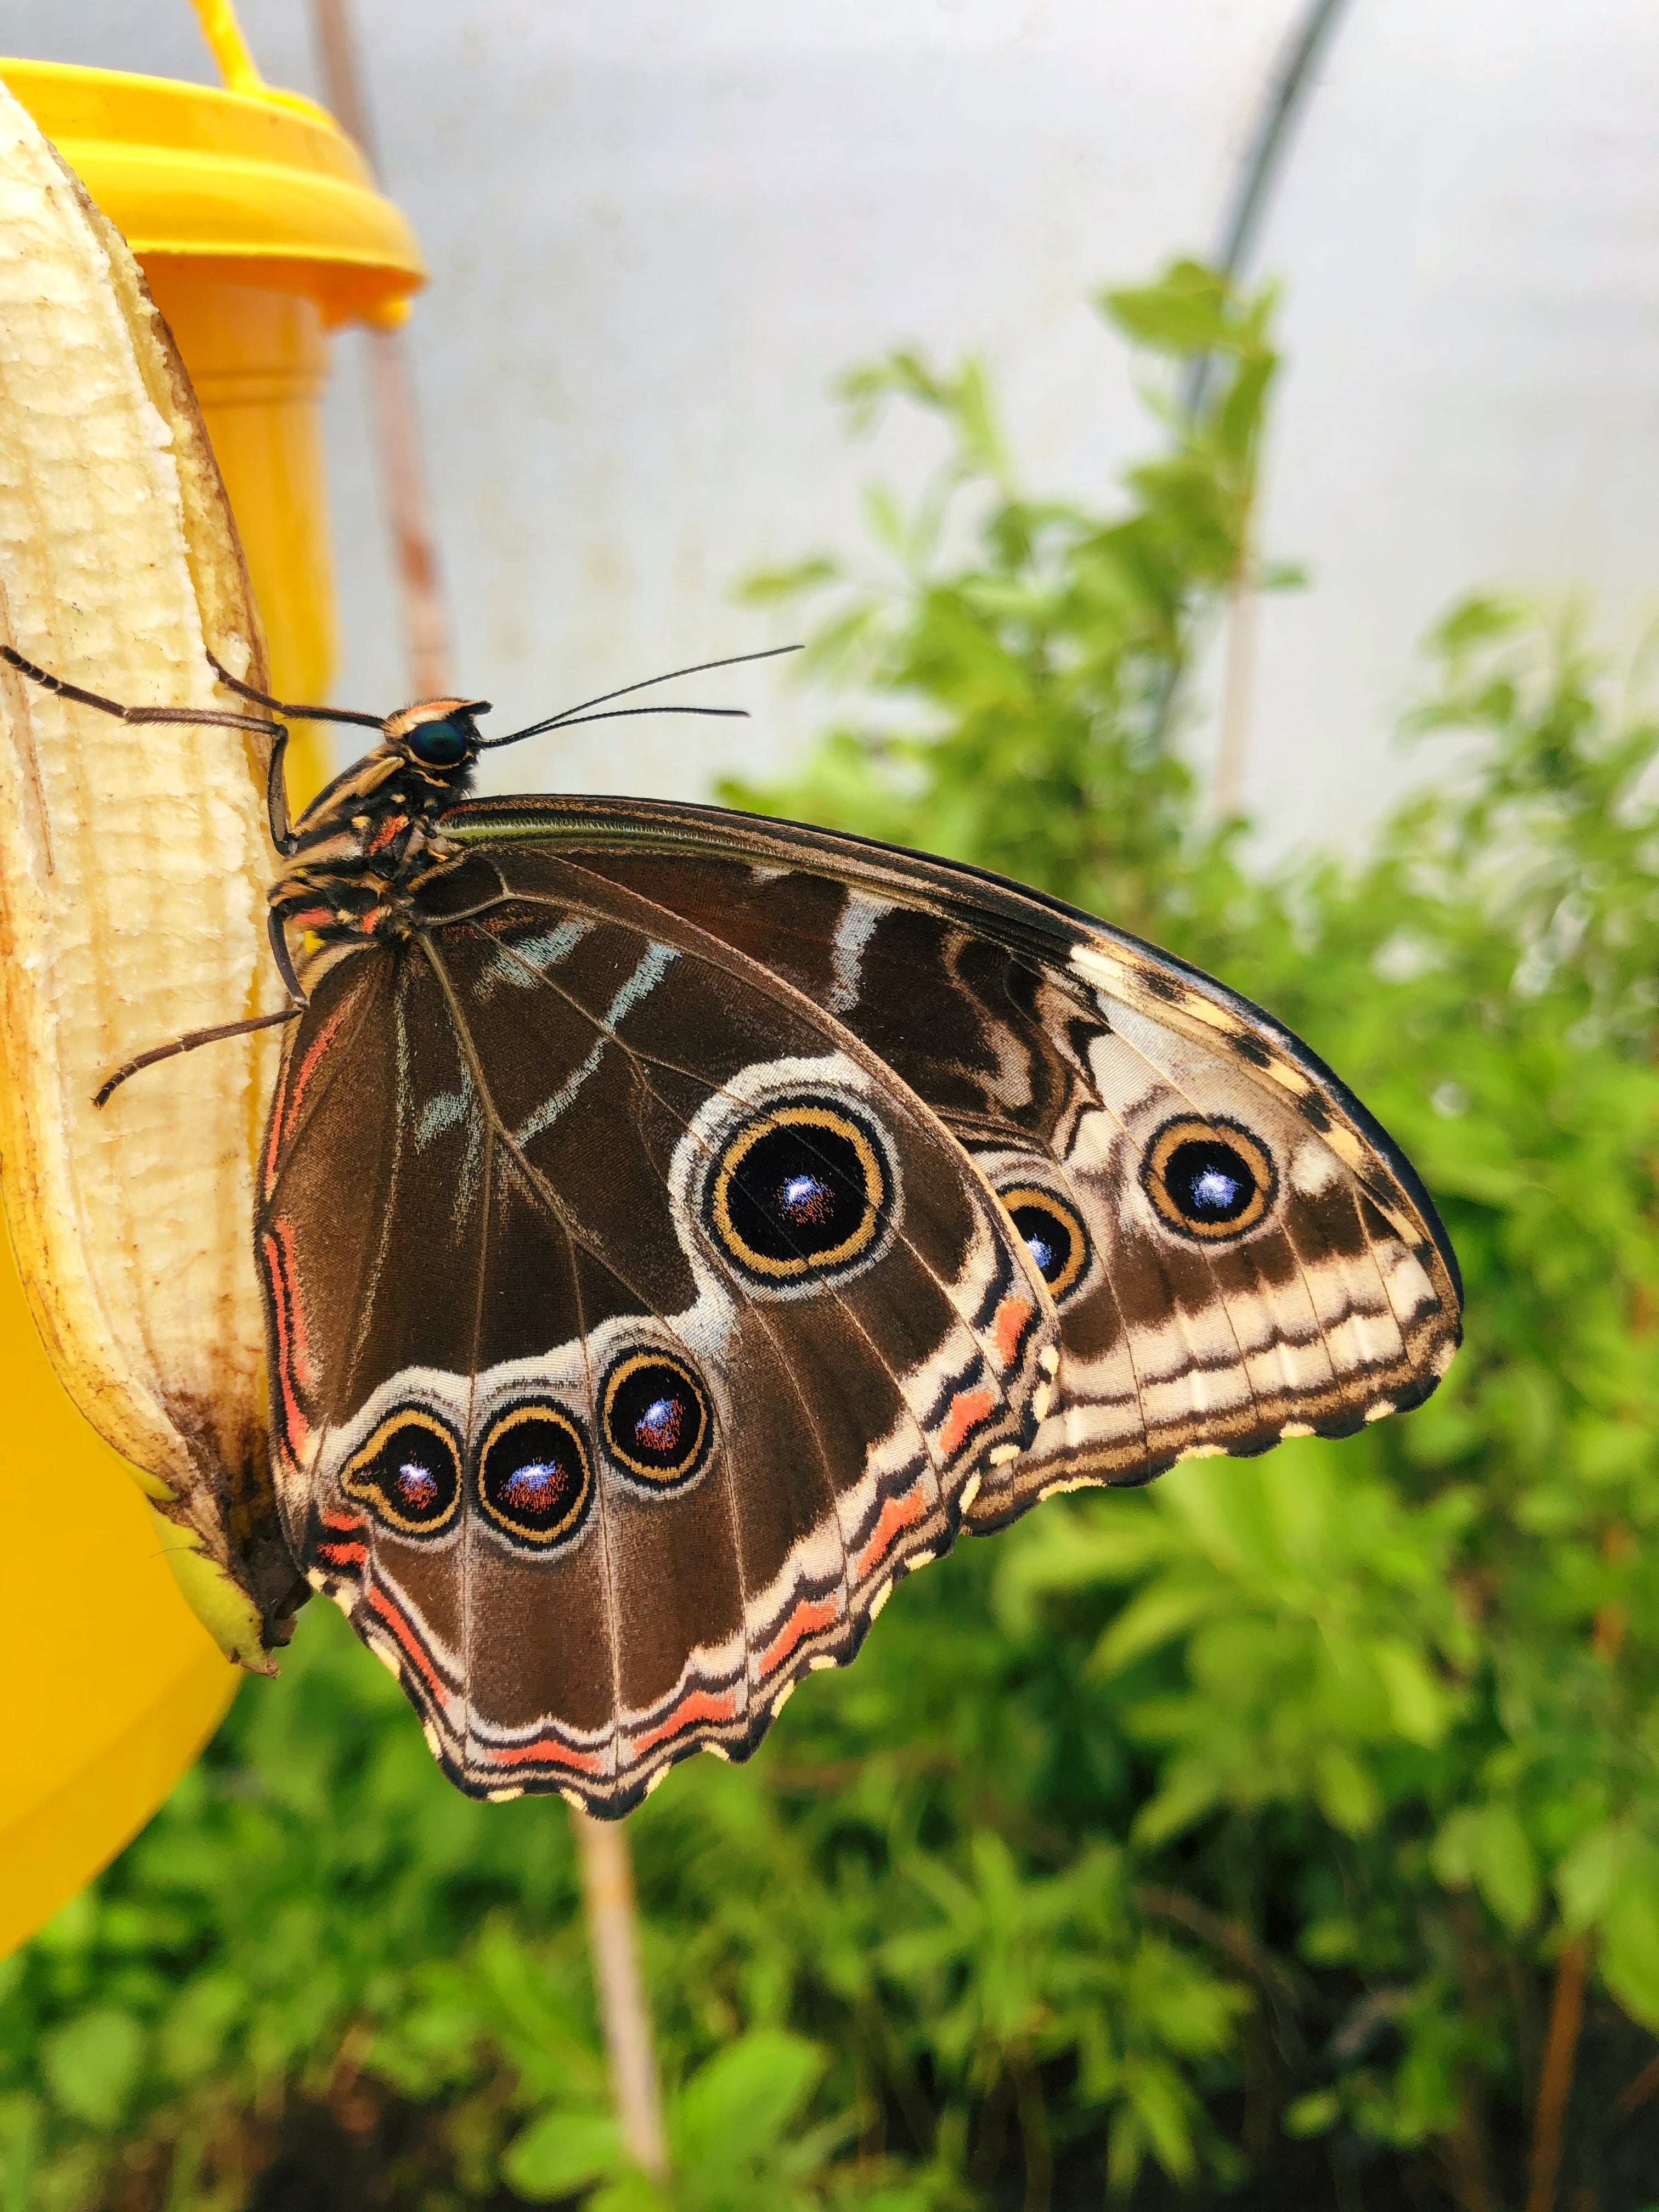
{"points": [[408, 1474], [655, 1419], [799, 1193], [1054, 1234], [534, 1479], [1212, 1180]]}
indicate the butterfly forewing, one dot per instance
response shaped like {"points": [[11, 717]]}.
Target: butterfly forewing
{"points": [[659, 1327]]}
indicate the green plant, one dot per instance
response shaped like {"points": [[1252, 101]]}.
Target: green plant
{"points": [[735, 2142], [1435, 1643]]}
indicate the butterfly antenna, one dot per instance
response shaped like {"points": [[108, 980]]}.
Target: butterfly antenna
{"points": [[580, 711]]}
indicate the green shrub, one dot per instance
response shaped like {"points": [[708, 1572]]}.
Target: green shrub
{"points": [[1177, 1834]]}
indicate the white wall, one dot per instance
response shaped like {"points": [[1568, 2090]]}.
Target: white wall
{"points": [[657, 232]]}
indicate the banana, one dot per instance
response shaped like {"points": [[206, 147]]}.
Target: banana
{"points": [[133, 867]]}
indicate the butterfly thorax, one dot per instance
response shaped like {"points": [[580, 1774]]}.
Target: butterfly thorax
{"points": [[362, 849]]}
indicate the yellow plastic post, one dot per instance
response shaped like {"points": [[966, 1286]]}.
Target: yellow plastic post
{"points": [[258, 228], [259, 360]]}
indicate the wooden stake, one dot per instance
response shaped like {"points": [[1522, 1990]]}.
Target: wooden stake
{"points": [[607, 1869], [613, 1936], [403, 467], [1555, 2079]]}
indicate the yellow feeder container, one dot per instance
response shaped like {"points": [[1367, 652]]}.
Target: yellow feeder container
{"points": [[258, 228]]}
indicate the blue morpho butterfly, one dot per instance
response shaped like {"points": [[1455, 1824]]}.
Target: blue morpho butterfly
{"points": [[676, 1225]]}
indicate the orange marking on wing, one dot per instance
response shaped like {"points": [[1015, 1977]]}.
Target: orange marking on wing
{"points": [[545, 1748], [296, 1430], [350, 1524], [314, 1051], [695, 1705], [1014, 1317], [343, 1555], [967, 1409], [304, 1368], [411, 1643], [810, 1612], [898, 1514], [274, 1135]]}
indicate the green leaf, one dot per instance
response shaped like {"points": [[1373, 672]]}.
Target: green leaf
{"points": [[1165, 2111], [1487, 1845], [1347, 1794], [1185, 312], [561, 2153], [1592, 1872], [1153, 1618], [194, 2039], [631, 2191], [1314, 2114], [1629, 1954], [1418, 1703], [93, 2064], [739, 2105]]}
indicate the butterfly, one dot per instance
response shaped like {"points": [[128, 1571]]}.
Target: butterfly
{"points": [[676, 1226]]}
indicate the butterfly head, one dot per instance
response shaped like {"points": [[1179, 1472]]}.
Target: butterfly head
{"points": [[439, 736]]}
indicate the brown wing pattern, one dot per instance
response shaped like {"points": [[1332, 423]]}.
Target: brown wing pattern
{"points": [[1100, 1088], [631, 1327]]}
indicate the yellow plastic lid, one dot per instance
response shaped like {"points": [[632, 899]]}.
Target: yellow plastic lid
{"points": [[232, 176]]}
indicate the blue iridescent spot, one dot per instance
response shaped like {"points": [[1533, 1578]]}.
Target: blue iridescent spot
{"points": [[529, 1485], [807, 1197], [1043, 1251], [657, 1427], [1215, 1190], [418, 1484]]}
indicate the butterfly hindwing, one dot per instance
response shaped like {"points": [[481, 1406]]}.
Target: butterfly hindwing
{"points": [[632, 1324], [1236, 1250]]}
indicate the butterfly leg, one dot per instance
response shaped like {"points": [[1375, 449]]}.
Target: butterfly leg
{"points": [[281, 825], [276, 927], [289, 710], [189, 1043], [276, 806], [193, 1038], [215, 717]]}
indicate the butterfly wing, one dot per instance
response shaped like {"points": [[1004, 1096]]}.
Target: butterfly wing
{"points": [[632, 1324], [1237, 1251]]}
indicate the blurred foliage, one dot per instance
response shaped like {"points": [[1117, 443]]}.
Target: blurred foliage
{"points": [[1245, 1836]]}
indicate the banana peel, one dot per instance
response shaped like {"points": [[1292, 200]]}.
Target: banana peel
{"points": [[133, 868]]}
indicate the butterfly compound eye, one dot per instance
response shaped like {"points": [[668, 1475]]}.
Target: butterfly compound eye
{"points": [[408, 1474], [656, 1420], [1212, 1180], [801, 1193], [1054, 1234], [444, 744], [534, 1481]]}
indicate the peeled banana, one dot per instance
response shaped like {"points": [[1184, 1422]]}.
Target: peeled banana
{"points": [[133, 865]]}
